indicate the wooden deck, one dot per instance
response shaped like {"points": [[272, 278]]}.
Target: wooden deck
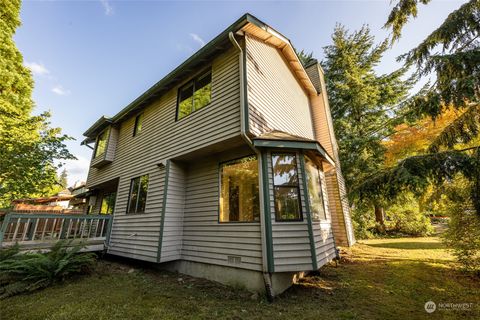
{"points": [[39, 232]]}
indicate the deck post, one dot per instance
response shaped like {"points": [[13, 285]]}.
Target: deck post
{"points": [[5, 223]]}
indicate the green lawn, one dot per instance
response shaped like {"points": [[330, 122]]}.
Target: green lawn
{"points": [[377, 279]]}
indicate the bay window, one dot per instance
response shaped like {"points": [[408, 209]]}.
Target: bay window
{"points": [[315, 194], [101, 145], [285, 187]]}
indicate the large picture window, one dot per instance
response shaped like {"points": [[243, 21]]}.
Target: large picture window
{"points": [[315, 194], [285, 187], [138, 195], [239, 195], [108, 203], [101, 144], [194, 95]]}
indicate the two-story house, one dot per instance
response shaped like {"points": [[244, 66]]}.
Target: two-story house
{"points": [[227, 168]]}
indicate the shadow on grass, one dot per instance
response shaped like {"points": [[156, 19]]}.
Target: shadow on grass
{"points": [[409, 245], [394, 289]]}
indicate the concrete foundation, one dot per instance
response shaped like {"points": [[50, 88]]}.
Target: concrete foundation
{"points": [[235, 277]]}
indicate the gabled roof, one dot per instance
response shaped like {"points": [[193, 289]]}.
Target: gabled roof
{"points": [[247, 23]]}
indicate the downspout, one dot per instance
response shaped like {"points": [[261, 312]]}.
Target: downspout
{"points": [[243, 133]]}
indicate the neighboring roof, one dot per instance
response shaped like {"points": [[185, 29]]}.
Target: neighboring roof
{"points": [[218, 44], [44, 200], [280, 139]]}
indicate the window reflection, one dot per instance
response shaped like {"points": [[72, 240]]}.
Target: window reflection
{"points": [[315, 193], [101, 143], [194, 95], [286, 189], [239, 195], [138, 195]]}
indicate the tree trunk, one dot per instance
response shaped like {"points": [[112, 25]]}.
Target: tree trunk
{"points": [[380, 218]]}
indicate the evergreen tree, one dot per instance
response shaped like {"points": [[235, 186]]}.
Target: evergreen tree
{"points": [[452, 54], [306, 58], [29, 147], [63, 179], [362, 102]]}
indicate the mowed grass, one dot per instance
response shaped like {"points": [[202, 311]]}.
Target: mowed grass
{"points": [[376, 279]]}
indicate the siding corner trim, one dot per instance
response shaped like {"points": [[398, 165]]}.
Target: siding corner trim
{"points": [[164, 203], [267, 212]]}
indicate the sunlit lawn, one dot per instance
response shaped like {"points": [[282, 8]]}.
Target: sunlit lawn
{"points": [[377, 279]]}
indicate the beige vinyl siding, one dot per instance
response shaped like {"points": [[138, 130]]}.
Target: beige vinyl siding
{"points": [[136, 235], [291, 242], [204, 238], [112, 144], [161, 138], [325, 135], [174, 208], [275, 97]]}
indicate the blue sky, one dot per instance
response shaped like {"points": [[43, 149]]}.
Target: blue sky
{"points": [[92, 58]]}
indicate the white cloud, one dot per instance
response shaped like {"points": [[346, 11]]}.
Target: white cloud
{"points": [[37, 68], [107, 7], [58, 89], [197, 39], [77, 170]]}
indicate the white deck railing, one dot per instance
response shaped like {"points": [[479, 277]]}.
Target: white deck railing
{"points": [[43, 230]]}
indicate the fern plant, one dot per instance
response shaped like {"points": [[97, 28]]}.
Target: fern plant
{"points": [[31, 271]]}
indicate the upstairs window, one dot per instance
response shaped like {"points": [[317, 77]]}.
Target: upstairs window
{"points": [[194, 95], [138, 195], [108, 203], [137, 128], [285, 187], [239, 195], [315, 194], [101, 145]]}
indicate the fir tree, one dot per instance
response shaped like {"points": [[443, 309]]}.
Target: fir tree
{"points": [[362, 102], [452, 54]]}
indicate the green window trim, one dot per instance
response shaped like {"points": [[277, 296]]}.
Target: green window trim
{"points": [[287, 190], [194, 95]]}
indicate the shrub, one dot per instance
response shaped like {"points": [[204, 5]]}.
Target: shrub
{"points": [[405, 218], [463, 237], [32, 271]]}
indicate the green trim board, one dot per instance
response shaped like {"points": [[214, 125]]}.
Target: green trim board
{"points": [[313, 250], [305, 145], [164, 204], [267, 212]]}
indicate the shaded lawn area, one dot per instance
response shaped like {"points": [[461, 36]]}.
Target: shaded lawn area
{"points": [[377, 279]]}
